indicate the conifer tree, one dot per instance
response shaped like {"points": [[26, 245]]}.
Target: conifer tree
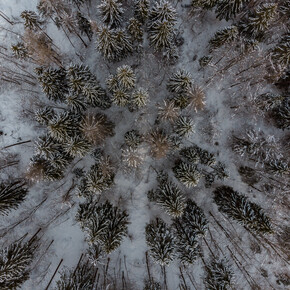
{"points": [[227, 9], [238, 207], [159, 142], [15, 261], [160, 240], [188, 228], [168, 111], [111, 11], [78, 76], [205, 60], [19, 50], [126, 77], [124, 42], [53, 82], [105, 224], [219, 275], [76, 103], [179, 82], [282, 114], [132, 138], [81, 278], [151, 285], [196, 154], [132, 157], [162, 11], [121, 97], [44, 116], [168, 196], [183, 126], [76, 146], [96, 128], [135, 29], [139, 98], [12, 194], [261, 19], [281, 52], [141, 10], [188, 174], [196, 98], [46, 146], [223, 36], [278, 167], [31, 19], [204, 4]]}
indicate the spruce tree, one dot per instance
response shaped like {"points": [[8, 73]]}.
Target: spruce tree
{"points": [[45, 115], [105, 224], [84, 25], [196, 154], [168, 111], [162, 11], [188, 228], [135, 29], [31, 19], [80, 278], [205, 60], [12, 194], [133, 138], [204, 4], [77, 147], [168, 196], [76, 103], [15, 261], [126, 77], [281, 52], [120, 97], [188, 174], [132, 157], [111, 11], [19, 50], [278, 167], [141, 10], [139, 98], [219, 275], [227, 9], [183, 126], [179, 82], [238, 207], [124, 43], [160, 143], [160, 240], [46, 146], [281, 114], [223, 36]]}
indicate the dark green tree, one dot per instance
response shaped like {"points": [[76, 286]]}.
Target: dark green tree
{"points": [[141, 10], [84, 25], [227, 9]]}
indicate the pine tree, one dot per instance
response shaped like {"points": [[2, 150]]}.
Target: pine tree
{"points": [[281, 52], [44, 116], [121, 97], [112, 83], [15, 261], [161, 241], [133, 138], [141, 10], [183, 126], [12, 194], [227, 9], [111, 11], [96, 128], [179, 82], [162, 12], [188, 174], [196, 98], [135, 29], [77, 147], [139, 98], [46, 147], [191, 154], [181, 100], [84, 25], [219, 275], [105, 224], [31, 19], [261, 19], [188, 228], [161, 34], [168, 111], [80, 278], [126, 77], [19, 50], [62, 126], [159, 142], [223, 36], [204, 4], [238, 207], [132, 157], [78, 76], [53, 82], [124, 42], [76, 103], [168, 196]]}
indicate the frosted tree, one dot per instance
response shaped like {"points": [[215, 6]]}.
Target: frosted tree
{"points": [[76, 103], [141, 10], [46, 146], [205, 60], [196, 98], [268, 101], [124, 42], [168, 196], [126, 77], [168, 111], [44, 116], [96, 128], [84, 25], [188, 229], [31, 19], [160, 143], [12, 194], [132, 157], [162, 11], [196, 154], [281, 52], [120, 97], [15, 261], [282, 114], [278, 167], [111, 11], [77, 147], [105, 224], [179, 82], [227, 9], [133, 138], [188, 174], [53, 83], [183, 126], [82, 277], [19, 50], [204, 4], [139, 98], [160, 240], [223, 36], [261, 19], [135, 29], [219, 275], [238, 207]]}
